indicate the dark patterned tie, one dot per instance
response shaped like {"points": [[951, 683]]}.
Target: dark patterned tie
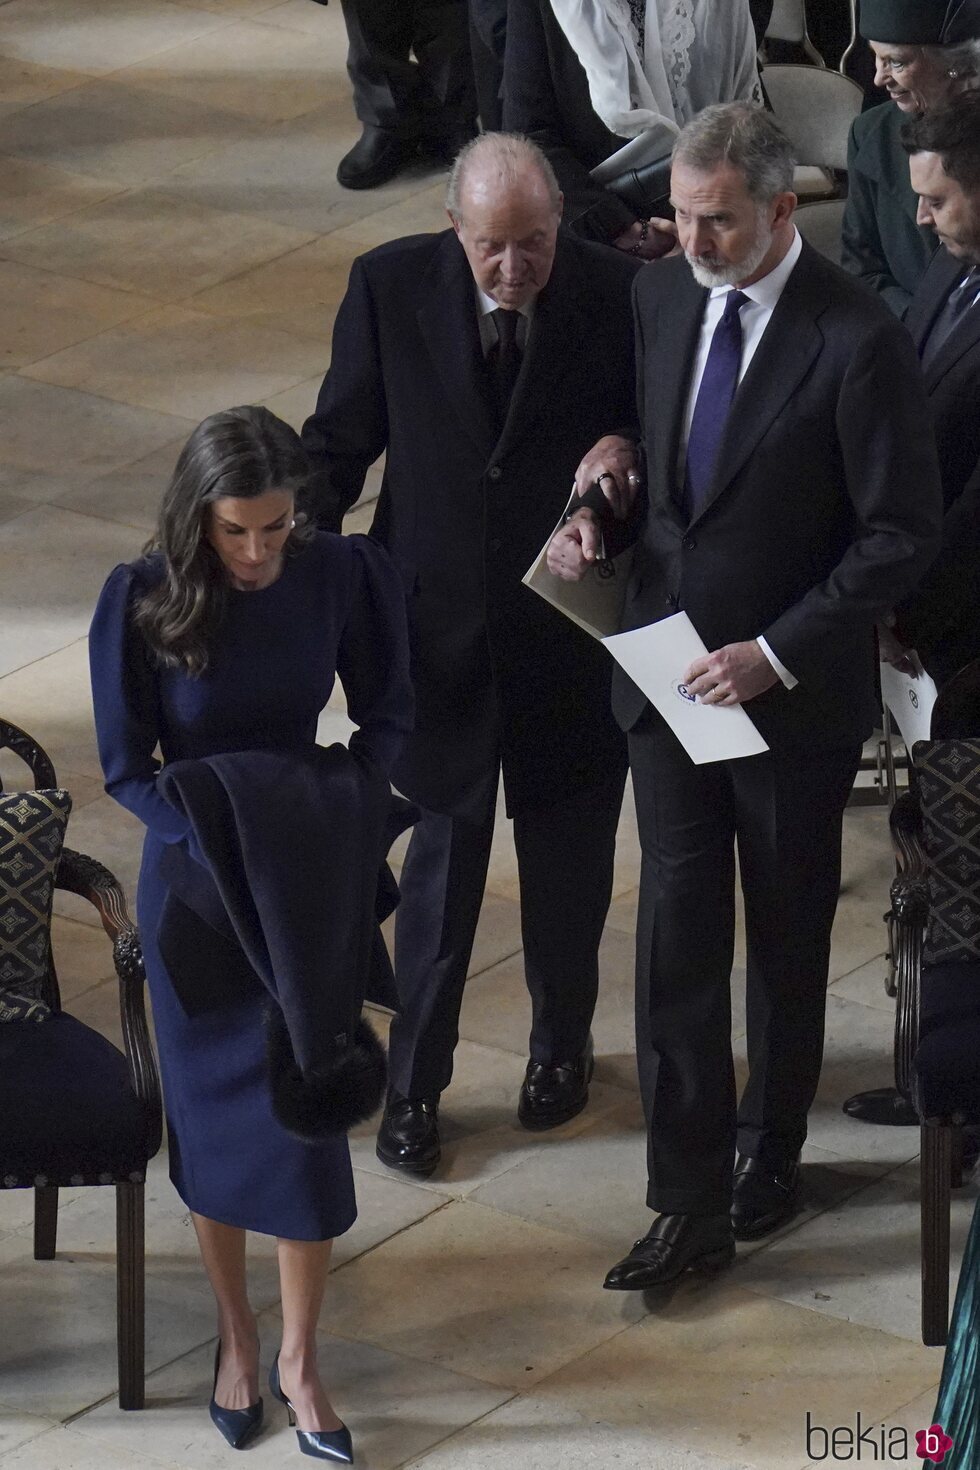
{"points": [[504, 358], [958, 303], [713, 403]]}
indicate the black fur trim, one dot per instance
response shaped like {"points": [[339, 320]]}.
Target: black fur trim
{"points": [[338, 1098]]}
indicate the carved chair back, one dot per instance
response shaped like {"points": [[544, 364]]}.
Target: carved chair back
{"points": [[43, 778]]}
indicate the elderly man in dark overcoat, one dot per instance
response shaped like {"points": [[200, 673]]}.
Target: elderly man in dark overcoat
{"points": [[484, 361]]}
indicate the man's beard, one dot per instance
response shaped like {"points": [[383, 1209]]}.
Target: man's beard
{"points": [[732, 274]]}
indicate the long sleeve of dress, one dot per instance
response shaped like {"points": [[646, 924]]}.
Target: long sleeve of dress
{"points": [[124, 694], [372, 660]]}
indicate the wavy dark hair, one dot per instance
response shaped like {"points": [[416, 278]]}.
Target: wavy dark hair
{"points": [[241, 453]]}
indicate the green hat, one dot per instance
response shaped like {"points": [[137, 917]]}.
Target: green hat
{"points": [[904, 22]]}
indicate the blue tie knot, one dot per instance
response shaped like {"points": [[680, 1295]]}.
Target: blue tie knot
{"points": [[736, 300]]}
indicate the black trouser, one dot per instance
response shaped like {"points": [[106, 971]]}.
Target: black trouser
{"points": [[784, 811], [488, 32], [565, 866], [431, 95]]}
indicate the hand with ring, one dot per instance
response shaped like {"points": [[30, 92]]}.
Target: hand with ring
{"points": [[613, 465]]}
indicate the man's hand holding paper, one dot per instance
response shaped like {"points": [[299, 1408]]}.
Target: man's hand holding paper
{"points": [[731, 675]]}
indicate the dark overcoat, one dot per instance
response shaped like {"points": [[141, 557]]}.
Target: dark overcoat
{"points": [[880, 240], [465, 506]]}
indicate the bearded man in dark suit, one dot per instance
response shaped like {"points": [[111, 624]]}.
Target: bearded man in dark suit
{"points": [[942, 619], [485, 360], [793, 495]]}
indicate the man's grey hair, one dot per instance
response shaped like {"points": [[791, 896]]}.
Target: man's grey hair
{"points": [[747, 138], [511, 156]]}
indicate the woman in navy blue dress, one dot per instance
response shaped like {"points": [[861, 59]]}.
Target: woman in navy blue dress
{"points": [[228, 637]]}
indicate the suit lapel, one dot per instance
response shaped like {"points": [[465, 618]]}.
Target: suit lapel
{"points": [[555, 335], [789, 345], [931, 296], [678, 329], [963, 338], [447, 320]]}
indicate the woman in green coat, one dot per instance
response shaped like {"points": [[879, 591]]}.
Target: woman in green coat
{"points": [[925, 52]]}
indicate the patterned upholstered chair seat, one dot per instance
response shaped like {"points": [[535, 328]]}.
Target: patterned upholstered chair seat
{"points": [[74, 1110]]}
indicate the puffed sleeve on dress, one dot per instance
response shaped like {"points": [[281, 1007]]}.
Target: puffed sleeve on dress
{"points": [[125, 697], [372, 659]]}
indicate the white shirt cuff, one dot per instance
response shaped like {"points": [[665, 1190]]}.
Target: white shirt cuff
{"points": [[787, 678]]}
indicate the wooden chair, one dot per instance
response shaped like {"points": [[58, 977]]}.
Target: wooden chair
{"points": [[76, 1110], [815, 109], [788, 24], [956, 716]]}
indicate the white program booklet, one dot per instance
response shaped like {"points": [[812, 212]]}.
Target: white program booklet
{"points": [[596, 603], [656, 658], [910, 699]]}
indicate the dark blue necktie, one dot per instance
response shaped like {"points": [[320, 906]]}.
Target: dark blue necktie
{"points": [[714, 400], [958, 303]]}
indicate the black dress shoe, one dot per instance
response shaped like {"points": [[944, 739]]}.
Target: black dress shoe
{"points": [[882, 1105], [376, 157], [675, 1244], [765, 1197], [408, 1138], [552, 1095]]}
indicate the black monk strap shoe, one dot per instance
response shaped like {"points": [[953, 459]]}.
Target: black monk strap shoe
{"points": [[377, 156], [408, 1138], [675, 1243], [765, 1197], [552, 1095]]}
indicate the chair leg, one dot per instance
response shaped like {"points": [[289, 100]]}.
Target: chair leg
{"points": [[45, 1222], [130, 1325], [936, 1162], [956, 1160]]}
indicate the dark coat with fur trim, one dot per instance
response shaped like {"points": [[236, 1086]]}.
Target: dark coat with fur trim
{"points": [[294, 902]]}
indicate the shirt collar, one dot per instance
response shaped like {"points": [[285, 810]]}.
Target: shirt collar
{"points": [[767, 291], [486, 305]]}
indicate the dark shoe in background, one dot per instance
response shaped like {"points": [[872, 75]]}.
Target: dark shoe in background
{"points": [[765, 1197], [408, 1138], [552, 1095], [376, 157], [675, 1244]]}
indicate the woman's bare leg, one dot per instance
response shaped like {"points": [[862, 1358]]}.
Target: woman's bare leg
{"points": [[303, 1268], [223, 1252]]}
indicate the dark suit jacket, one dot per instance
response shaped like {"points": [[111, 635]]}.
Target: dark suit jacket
{"points": [[546, 96], [942, 618], [465, 508], [880, 240], [825, 508]]}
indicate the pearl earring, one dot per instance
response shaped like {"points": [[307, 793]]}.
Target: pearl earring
{"points": [[952, 74]]}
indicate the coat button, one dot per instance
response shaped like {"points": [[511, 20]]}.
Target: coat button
{"points": [[671, 600], [495, 472], [496, 544], [689, 543]]}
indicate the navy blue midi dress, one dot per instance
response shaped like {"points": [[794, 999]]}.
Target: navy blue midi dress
{"points": [[337, 610]]}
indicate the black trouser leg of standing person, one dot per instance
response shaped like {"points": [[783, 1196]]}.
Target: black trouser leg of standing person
{"points": [[400, 101], [785, 812], [565, 863], [488, 34]]}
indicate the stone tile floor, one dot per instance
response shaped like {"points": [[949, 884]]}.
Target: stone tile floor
{"points": [[172, 239]]}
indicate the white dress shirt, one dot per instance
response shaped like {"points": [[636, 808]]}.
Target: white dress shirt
{"points": [[755, 316], [485, 306]]}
